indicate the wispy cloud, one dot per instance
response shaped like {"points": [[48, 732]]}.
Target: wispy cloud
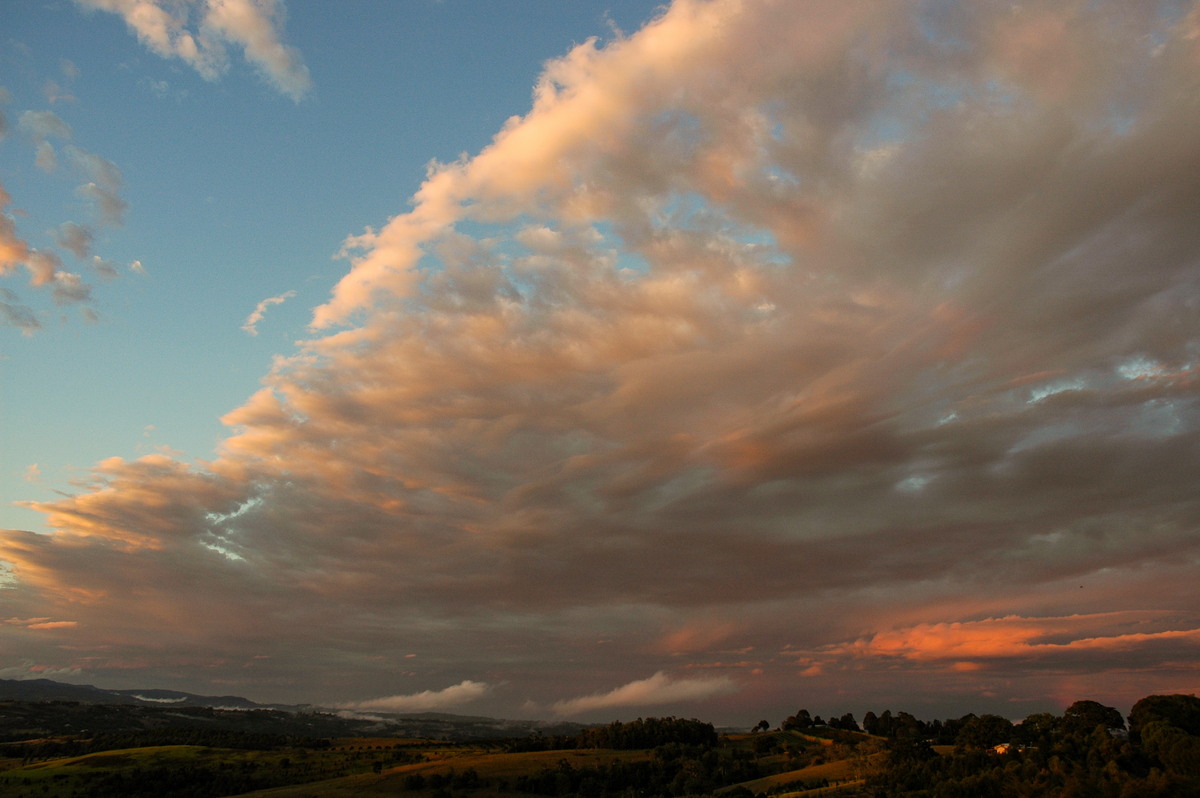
{"points": [[40, 623], [658, 690], [196, 32], [101, 189], [260, 310], [75, 238], [427, 700], [42, 125], [1001, 641]]}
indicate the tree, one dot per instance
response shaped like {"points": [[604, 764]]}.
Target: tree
{"points": [[1182, 711], [984, 731], [801, 720], [1038, 729], [1175, 749], [1083, 717]]}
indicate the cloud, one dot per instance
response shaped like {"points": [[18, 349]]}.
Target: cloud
{"points": [[75, 238], [809, 332], [260, 310], [255, 26], [17, 315], [464, 692], [69, 288], [27, 669], [39, 623], [169, 30], [658, 690], [13, 249], [106, 269], [43, 125], [45, 268], [1000, 641]]}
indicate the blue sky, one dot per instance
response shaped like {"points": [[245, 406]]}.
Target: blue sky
{"points": [[601, 360]]}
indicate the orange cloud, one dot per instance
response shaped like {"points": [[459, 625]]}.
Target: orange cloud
{"points": [[40, 623], [971, 645], [697, 636]]}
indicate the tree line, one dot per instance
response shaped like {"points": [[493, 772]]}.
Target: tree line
{"points": [[1087, 751], [627, 736]]}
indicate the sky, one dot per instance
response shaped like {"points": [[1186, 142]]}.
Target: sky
{"points": [[589, 361]]}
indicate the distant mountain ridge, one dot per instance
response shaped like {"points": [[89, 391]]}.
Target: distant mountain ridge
{"points": [[140, 708], [50, 690]]}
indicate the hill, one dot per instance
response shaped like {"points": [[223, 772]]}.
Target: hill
{"points": [[49, 690], [42, 707], [208, 752]]}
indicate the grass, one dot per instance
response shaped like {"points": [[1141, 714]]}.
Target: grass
{"points": [[366, 767], [489, 764]]}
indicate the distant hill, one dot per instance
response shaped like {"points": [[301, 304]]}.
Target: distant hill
{"points": [[49, 690], [45, 707]]}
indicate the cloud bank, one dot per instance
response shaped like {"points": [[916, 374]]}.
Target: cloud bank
{"points": [[427, 700], [817, 345], [658, 690]]}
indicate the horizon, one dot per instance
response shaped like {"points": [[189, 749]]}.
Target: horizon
{"points": [[603, 361], [825, 716]]}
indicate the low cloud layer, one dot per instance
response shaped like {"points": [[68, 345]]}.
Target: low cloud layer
{"points": [[427, 700], [657, 691], [814, 348]]}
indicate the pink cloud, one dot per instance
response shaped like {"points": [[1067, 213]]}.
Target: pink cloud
{"points": [[454, 696], [658, 690], [973, 645], [168, 30]]}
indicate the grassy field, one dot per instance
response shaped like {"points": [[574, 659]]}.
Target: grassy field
{"points": [[797, 782], [172, 768], [491, 766], [783, 764]]}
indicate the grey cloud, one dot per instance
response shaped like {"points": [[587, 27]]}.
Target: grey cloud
{"points": [[837, 330], [76, 238], [43, 125], [17, 315], [109, 206]]}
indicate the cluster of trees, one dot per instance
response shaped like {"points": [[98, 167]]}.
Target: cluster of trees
{"points": [[1080, 716], [648, 733], [1086, 751], [631, 736], [803, 720], [674, 769]]}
